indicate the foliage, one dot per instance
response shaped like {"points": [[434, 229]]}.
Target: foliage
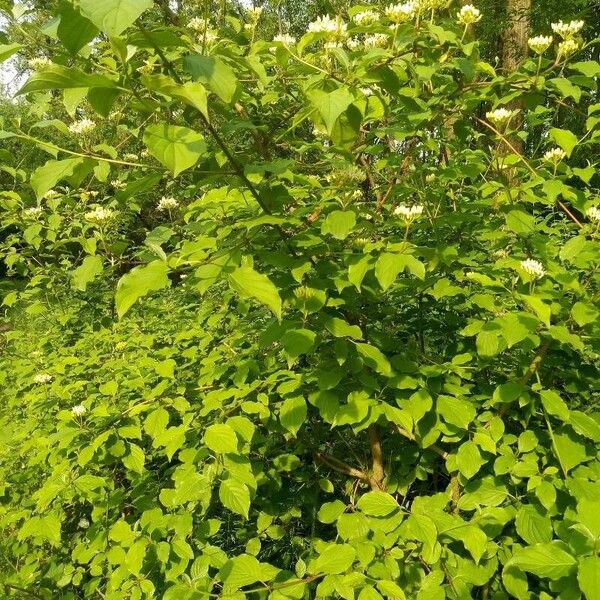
{"points": [[293, 320]]}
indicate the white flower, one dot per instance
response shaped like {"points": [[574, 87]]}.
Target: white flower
{"points": [[366, 17], [540, 43], [500, 116], [79, 410], [567, 30], [336, 28], [332, 45], [430, 177], [284, 38], [468, 15], [83, 523], [42, 378], [533, 268], [147, 68], [254, 13], [593, 213], [400, 13], [51, 194], [353, 43], [100, 215], [130, 157], [34, 211], [37, 64], [167, 203], [82, 127], [408, 213], [568, 47], [118, 184], [198, 24], [555, 155], [432, 4], [377, 40]]}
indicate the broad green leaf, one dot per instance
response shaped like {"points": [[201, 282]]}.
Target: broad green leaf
{"points": [[213, 72], [235, 496], [340, 328], [7, 50], [468, 459], [570, 449], [456, 411], [89, 269], [585, 425], [139, 282], [532, 526], [156, 422], [539, 307], [544, 560], [57, 77], [567, 140], [330, 511], [297, 341], [250, 284], [588, 576], [584, 313], [333, 559], [178, 148], [113, 16], [554, 404], [377, 504], [515, 582], [74, 30], [521, 222], [221, 438], [375, 359], [330, 105], [48, 175], [339, 223], [292, 413], [135, 458], [192, 93], [387, 268]]}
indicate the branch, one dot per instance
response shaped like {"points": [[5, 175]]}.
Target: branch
{"points": [[341, 466], [378, 473]]}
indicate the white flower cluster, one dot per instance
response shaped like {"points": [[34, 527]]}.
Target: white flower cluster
{"points": [[408, 213], [198, 24], [468, 15], [401, 13], [34, 211], [51, 194], [377, 40], [118, 184], [500, 116], [82, 127], [100, 215], [130, 156], [540, 43], [254, 13], [567, 30], [567, 47], [366, 17], [286, 39], [79, 410], [42, 378], [39, 63], [167, 203], [555, 155], [533, 268], [83, 523], [335, 28], [593, 213]]}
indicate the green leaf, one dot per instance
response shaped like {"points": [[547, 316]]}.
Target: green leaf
{"points": [[468, 459], [213, 72], [250, 284], [521, 222], [585, 425], [292, 413], [89, 269], [339, 223], [139, 282], [156, 422], [330, 511], [571, 452], [135, 459], [515, 582], [541, 309], [192, 93], [57, 77], [235, 496], [7, 50], [456, 411], [221, 438], [387, 268], [340, 328], [584, 313], [178, 148], [567, 140], [544, 560], [297, 341], [333, 559], [374, 358], [330, 105], [48, 175], [113, 16], [588, 576], [377, 504], [554, 404], [74, 30], [533, 527]]}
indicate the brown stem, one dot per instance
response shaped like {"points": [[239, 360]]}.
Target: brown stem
{"points": [[341, 466], [377, 471]]}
